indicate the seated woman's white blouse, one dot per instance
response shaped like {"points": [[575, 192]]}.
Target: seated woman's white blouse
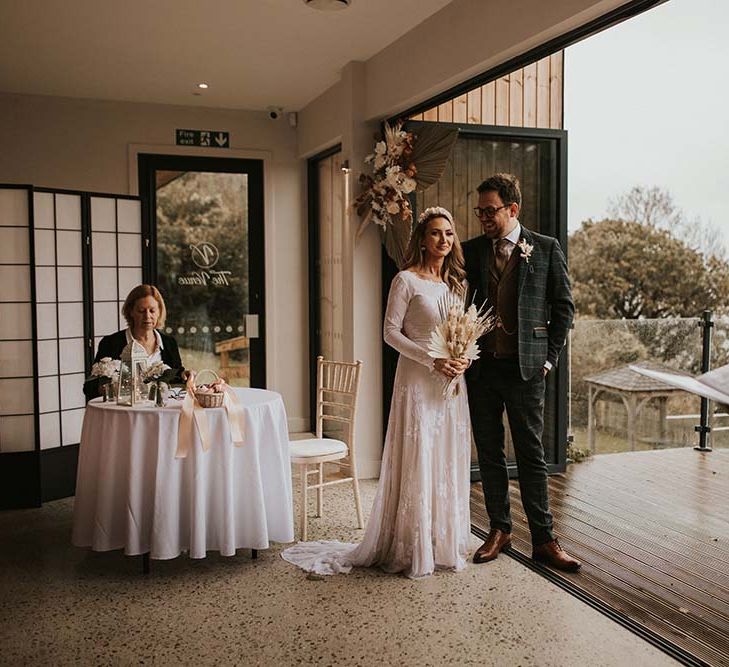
{"points": [[156, 356]]}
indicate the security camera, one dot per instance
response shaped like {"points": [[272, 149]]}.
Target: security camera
{"points": [[274, 113]]}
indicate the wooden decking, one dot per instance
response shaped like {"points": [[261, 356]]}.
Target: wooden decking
{"points": [[652, 530]]}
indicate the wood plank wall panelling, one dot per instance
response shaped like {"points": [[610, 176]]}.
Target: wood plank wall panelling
{"points": [[473, 160], [330, 297], [528, 97]]}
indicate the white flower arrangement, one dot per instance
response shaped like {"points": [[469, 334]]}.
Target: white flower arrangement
{"points": [[456, 335], [526, 250], [106, 368], [155, 371], [393, 177]]}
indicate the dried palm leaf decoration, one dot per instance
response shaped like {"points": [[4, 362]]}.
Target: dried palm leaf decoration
{"points": [[403, 162]]}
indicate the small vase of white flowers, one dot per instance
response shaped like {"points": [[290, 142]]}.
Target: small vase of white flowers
{"points": [[106, 371]]}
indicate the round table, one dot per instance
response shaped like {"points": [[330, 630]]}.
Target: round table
{"points": [[133, 494]]}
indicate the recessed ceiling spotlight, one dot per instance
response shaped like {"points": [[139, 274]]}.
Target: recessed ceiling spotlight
{"points": [[328, 5], [202, 85]]}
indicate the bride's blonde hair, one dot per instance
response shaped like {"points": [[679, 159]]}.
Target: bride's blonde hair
{"points": [[452, 271]]}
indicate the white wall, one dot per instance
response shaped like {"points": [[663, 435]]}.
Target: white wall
{"points": [[84, 145]]}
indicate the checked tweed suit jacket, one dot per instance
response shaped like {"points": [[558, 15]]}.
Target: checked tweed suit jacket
{"points": [[545, 309]]}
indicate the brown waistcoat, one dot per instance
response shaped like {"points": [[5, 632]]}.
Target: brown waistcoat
{"points": [[503, 292]]}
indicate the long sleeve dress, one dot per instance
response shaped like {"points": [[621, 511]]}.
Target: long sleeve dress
{"points": [[420, 517]]}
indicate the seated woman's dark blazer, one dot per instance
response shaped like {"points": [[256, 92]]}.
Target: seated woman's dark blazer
{"points": [[112, 346]]}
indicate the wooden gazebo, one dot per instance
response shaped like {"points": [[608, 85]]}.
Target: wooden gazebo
{"points": [[635, 390]]}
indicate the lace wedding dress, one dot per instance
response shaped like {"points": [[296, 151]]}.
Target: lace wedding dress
{"points": [[420, 517]]}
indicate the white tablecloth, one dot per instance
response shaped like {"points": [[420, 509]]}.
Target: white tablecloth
{"points": [[133, 494]]}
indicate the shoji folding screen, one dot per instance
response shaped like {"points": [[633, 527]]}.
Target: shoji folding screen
{"points": [[116, 241], [67, 259]]}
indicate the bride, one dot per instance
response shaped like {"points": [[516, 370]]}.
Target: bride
{"points": [[420, 517]]}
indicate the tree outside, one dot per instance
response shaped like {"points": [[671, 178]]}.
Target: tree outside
{"points": [[202, 258], [641, 279]]}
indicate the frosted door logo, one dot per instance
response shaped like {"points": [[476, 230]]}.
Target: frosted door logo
{"points": [[206, 256]]}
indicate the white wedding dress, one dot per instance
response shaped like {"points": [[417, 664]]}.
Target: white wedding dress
{"points": [[420, 517]]}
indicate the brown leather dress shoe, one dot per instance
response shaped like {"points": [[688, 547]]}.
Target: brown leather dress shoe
{"points": [[553, 554], [496, 541]]}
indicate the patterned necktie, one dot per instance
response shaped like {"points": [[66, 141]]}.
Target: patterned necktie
{"points": [[502, 255]]}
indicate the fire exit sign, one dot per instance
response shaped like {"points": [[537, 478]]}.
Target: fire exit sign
{"points": [[206, 138]]}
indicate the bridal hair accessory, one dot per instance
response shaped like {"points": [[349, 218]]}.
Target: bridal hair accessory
{"points": [[435, 212], [526, 250], [456, 335]]}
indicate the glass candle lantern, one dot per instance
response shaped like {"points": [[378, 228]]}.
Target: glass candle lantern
{"points": [[131, 370]]}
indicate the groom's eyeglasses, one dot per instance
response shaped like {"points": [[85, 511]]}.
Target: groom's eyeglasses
{"points": [[489, 211]]}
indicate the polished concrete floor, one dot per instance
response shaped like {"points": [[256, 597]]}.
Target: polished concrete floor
{"points": [[60, 605]]}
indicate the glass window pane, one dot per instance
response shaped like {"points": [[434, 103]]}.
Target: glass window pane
{"points": [[202, 257]]}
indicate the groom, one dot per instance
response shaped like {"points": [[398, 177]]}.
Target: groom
{"points": [[524, 277]]}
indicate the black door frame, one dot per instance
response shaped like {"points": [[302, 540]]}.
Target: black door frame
{"points": [[561, 374], [312, 191], [148, 164]]}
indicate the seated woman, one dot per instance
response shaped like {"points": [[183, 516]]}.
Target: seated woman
{"points": [[144, 311]]}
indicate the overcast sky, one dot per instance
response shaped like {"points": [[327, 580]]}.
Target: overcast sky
{"points": [[647, 103]]}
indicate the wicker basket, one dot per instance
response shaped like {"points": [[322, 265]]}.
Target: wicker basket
{"points": [[214, 400]]}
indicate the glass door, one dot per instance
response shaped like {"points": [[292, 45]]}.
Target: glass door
{"points": [[204, 251], [539, 159]]}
